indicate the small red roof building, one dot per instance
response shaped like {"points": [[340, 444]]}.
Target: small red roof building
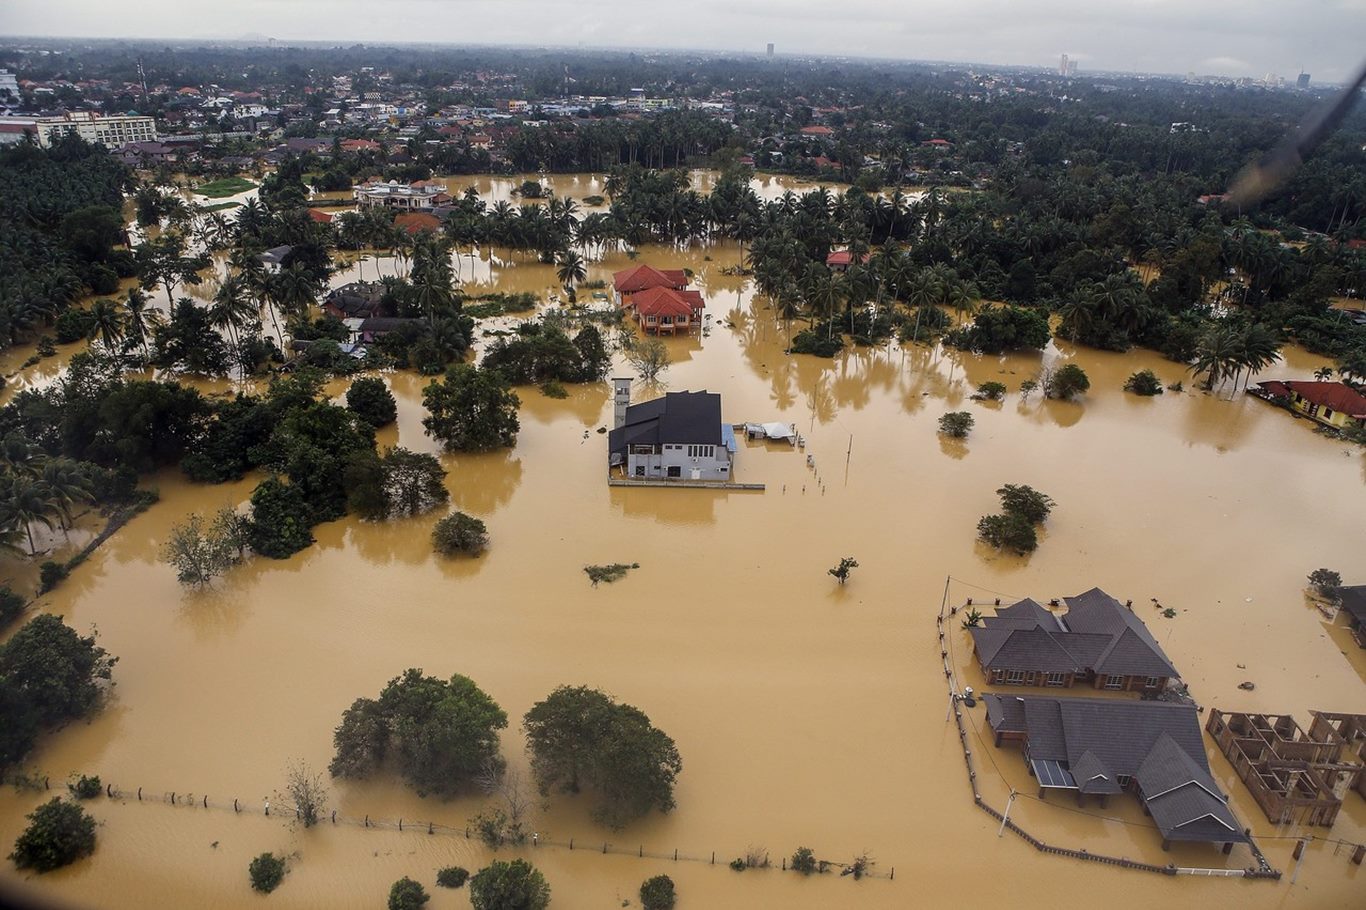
{"points": [[644, 277], [817, 131], [360, 145], [318, 216], [842, 259], [417, 222], [938, 143]]}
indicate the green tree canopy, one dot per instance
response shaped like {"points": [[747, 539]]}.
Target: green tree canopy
{"points": [[471, 409], [582, 738], [515, 885]]}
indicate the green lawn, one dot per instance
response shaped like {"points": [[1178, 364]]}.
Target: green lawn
{"points": [[228, 186], [220, 206]]}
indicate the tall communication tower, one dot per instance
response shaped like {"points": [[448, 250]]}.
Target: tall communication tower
{"points": [[142, 77]]}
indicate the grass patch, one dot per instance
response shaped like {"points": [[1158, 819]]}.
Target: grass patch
{"points": [[219, 206], [227, 186]]}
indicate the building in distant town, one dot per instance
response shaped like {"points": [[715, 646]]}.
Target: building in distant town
{"points": [[421, 194], [113, 131], [1302, 81], [770, 49], [9, 88], [1098, 642], [677, 437]]}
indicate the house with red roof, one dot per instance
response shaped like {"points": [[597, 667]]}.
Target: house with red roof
{"points": [[942, 144], [1333, 404], [817, 131], [417, 222], [840, 260], [659, 299], [360, 145], [318, 216]]}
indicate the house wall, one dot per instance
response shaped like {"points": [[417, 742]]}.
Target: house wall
{"points": [[656, 466], [1130, 684], [1010, 677], [1323, 414]]}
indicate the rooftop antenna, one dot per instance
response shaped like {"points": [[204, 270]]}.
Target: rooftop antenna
{"points": [[1258, 180]]}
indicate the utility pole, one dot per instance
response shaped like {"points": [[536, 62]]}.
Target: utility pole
{"points": [[142, 77], [1006, 815], [1299, 857]]}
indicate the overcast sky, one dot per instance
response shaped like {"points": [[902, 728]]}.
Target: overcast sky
{"points": [[1326, 38]]}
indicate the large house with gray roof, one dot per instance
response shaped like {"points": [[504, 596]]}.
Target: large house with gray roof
{"points": [[1104, 746], [1098, 642]]}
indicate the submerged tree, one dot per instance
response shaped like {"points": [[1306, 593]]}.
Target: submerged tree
{"points": [[1327, 584], [515, 885], [306, 790], [842, 570], [58, 834], [649, 357], [200, 551], [471, 409], [956, 424], [582, 738]]}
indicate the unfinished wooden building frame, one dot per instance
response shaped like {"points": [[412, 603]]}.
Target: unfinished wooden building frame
{"points": [[1296, 777]]}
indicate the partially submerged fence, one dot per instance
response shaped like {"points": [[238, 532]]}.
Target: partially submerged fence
{"points": [[1263, 870], [751, 857]]}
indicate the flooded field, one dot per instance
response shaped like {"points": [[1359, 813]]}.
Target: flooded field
{"points": [[807, 714]]}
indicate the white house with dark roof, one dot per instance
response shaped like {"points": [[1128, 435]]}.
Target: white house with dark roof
{"points": [[1098, 641], [677, 437], [1103, 746]]}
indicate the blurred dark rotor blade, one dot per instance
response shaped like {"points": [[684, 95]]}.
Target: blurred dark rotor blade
{"points": [[1257, 180]]}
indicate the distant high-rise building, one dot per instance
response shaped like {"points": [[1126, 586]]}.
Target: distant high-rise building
{"points": [[1071, 67], [1302, 81], [770, 48], [1062, 65]]}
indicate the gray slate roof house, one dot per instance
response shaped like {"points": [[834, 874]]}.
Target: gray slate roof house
{"points": [[1097, 640], [275, 256], [1098, 746], [679, 436]]}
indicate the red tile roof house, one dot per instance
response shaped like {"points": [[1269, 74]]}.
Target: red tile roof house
{"points": [[658, 298], [1333, 404], [840, 260], [817, 131]]}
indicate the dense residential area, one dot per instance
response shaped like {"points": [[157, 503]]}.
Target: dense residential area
{"points": [[619, 474]]}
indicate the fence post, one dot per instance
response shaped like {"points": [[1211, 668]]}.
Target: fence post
{"points": [[206, 801], [571, 843], [367, 821], [234, 805], [604, 847], [334, 816], [784, 863], [429, 828], [675, 854], [139, 794], [892, 877], [400, 824], [109, 790], [46, 785], [641, 854], [713, 857], [173, 797]]}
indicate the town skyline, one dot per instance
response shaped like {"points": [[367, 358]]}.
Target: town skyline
{"points": [[1218, 39]]}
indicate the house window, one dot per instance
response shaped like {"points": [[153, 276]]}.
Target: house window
{"points": [[675, 471], [1114, 682], [1015, 677], [1327, 413], [640, 470], [1151, 682], [1056, 680], [1029, 678], [1123, 780]]}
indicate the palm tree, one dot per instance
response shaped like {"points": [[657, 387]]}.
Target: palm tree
{"points": [[571, 272], [26, 501], [1323, 374], [65, 486], [139, 319], [107, 322], [1218, 354], [232, 307]]}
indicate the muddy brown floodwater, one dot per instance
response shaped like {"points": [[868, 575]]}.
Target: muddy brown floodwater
{"points": [[806, 713]]}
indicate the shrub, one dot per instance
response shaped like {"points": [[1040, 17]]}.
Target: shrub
{"points": [[459, 533], [371, 401], [1066, 382], [841, 571], [609, 573], [1008, 532], [992, 391], [452, 877], [85, 787], [658, 893], [956, 424], [58, 833], [738, 864], [280, 519], [809, 342], [407, 894], [804, 861], [1144, 382], [50, 574], [73, 325], [267, 871], [1026, 502], [552, 388], [11, 606], [515, 885]]}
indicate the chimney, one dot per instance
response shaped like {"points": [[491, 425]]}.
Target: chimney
{"points": [[621, 397]]}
